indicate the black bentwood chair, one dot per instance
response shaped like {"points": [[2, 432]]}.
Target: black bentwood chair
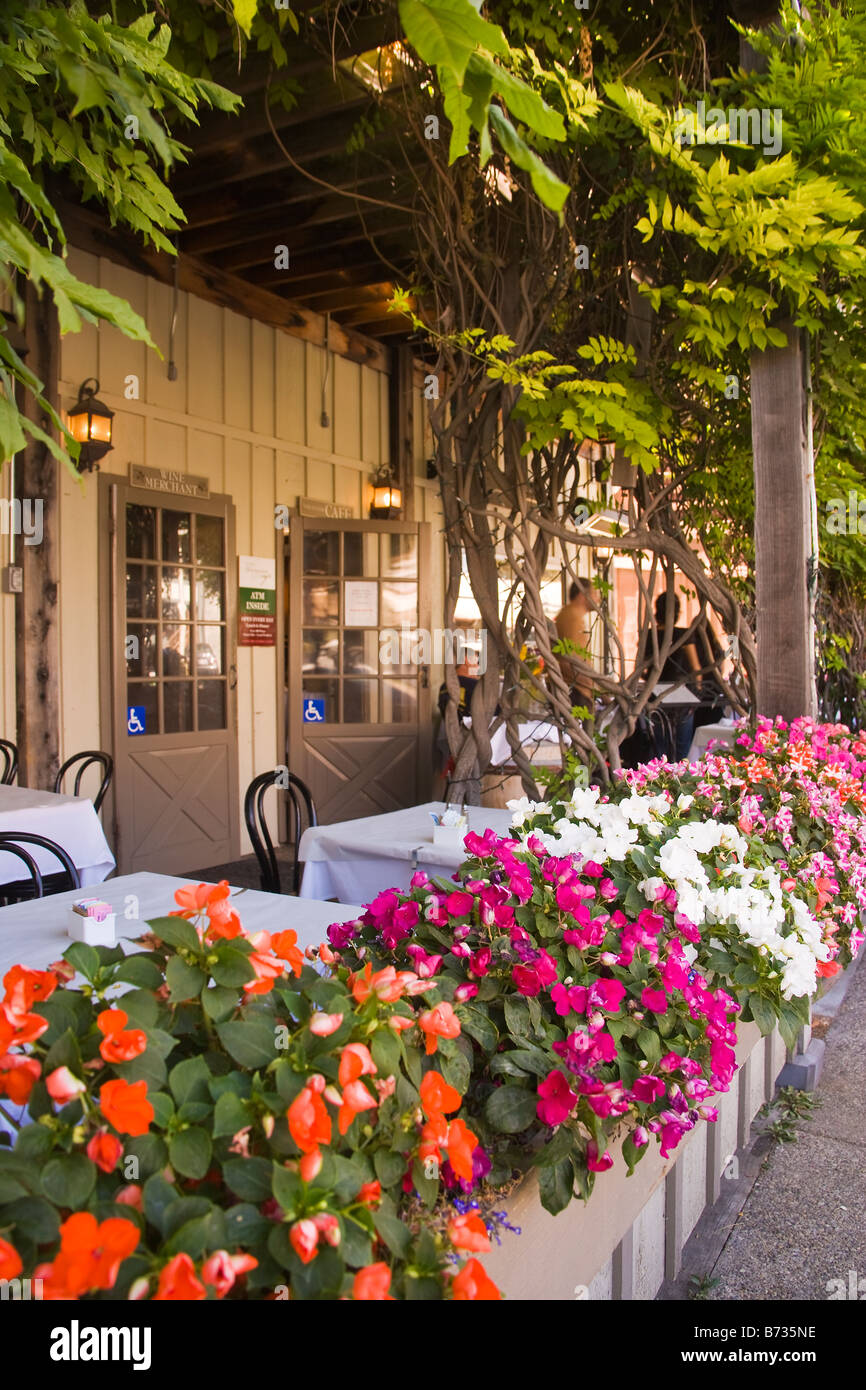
{"points": [[9, 754], [86, 760], [257, 825], [20, 891]]}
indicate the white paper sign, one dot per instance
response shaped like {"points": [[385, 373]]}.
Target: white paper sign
{"points": [[360, 603], [256, 572]]}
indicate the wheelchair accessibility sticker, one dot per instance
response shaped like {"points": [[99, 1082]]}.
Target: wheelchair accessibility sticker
{"points": [[314, 711], [136, 718]]}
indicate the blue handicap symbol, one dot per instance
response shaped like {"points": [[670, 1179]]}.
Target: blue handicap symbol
{"points": [[314, 711], [136, 718]]}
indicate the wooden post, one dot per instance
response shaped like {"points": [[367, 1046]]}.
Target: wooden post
{"points": [[785, 555], [37, 646], [402, 413]]}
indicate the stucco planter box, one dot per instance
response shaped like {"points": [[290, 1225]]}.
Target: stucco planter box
{"points": [[628, 1238]]}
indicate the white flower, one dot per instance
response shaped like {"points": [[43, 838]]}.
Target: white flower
{"points": [[684, 802]]}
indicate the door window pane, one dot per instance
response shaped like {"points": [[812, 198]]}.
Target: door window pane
{"points": [[360, 652], [211, 704], [321, 552], [140, 591], [209, 540], [320, 688], [360, 702], [399, 702], [321, 601], [400, 555], [361, 554], [209, 595], [399, 604], [321, 651], [144, 693], [141, 532], [175, 589], [176, 537], [176, 643], [402, 652], [141, 651], [177, 707], [210, 651]]}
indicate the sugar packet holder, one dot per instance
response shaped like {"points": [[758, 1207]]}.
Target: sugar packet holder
{"points": [[92, 921]]}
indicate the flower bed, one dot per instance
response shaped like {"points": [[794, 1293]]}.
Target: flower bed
{"points": [[217, 1117]]}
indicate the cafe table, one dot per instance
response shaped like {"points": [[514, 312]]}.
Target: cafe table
{"points": [[356, 859], [70, 821], [33, 933]]}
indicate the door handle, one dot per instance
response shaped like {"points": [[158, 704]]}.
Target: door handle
{"points": [[425, 677], [233, 677]]}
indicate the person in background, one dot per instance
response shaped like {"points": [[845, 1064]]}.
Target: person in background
{"points": [[682, 664], [572, 624], [467, 674]]}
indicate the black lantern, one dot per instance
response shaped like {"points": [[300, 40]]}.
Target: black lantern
{"points": [[90, 423], [387, 498]]}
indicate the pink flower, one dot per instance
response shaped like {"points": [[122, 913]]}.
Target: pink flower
{"points": [[654, 999], [425, 965], [62, 1086], [557, 1099], [639, 1136], [648, 1089], [526, 980], [464, 992], [607, 995], [594, 1163], [569, 1000], [323, 1025], [479, 963], [459, 904], [221, 1269]]}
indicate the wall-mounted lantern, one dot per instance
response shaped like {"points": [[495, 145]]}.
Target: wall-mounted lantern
{"points": [[387, 497], [90, 423]]}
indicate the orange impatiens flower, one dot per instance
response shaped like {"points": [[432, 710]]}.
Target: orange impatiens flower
{"points": [[91, 1253], [437, 1097], [309, 1121], [473, 1284], [370, 1194], [24, 987], [355, 1061], [467, 1231], [117, 1045], [212, 899], [16, 1028], [125, 1106], [178, 1281], [18, 1076], [372, 1284], [221, 1270], [388, 985], [10, 1261], [104, 1150], [63, 1086], [462, 1143], [356, 1099], [266, 965], [285, 945], [439, 1022]]}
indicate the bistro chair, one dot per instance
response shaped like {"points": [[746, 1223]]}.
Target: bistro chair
{"points": [[11, 842], [21, 890], [86, 759], [257, 826], [9, 754]]}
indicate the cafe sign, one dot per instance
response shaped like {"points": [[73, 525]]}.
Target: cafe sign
{"points": [[257, 601]]}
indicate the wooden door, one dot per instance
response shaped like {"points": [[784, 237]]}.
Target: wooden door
{"points": [[359, 706], [173, 707]]}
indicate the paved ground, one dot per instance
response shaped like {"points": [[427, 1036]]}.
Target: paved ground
{"points": [[804, 1223], [245, 873]]}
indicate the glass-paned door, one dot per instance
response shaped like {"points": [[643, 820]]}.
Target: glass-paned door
{"points": [[358, 678], [174, 675]]}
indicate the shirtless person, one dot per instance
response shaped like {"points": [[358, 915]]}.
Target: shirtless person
{"points": [[572, 623]]}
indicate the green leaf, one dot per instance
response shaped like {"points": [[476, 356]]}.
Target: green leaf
{"points": [[32, 1217], [189, 1080], [251, 1042], [511, 1109], [233, 968], [555, 1185], [249, 1178], [548, 188], [200, 1235], [176, 931], [151, 1152], [189, 1152], [141, 971], [158, 1195], [389, 1166], [763, 1013], [558, 1148], [230, 1115], [163, 1107], [84, 958], [392, 1231], [650, 1045], [218, 1003], [386, 1051], [183, 980], [517, 1019], [63, 1053], [245, 12], [287, 1188]]}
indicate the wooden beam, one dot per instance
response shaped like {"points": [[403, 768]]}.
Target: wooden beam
{"points": [[402, 425], [37, 637], [265, 215], [91, 233], [339, 226], [332, 300]]}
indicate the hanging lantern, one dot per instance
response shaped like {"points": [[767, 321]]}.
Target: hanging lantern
{"points": [[90, 424], [387, 500]]}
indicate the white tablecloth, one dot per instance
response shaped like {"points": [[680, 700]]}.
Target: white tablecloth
{"points": [[70, 821], [540, 743], [34, 933], [356, 859], [705, 734]]}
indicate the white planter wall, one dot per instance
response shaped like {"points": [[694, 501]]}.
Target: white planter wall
{"points": [[628, 1238]]}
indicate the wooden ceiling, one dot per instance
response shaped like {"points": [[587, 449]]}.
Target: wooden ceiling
{"points": [[243, 199]]}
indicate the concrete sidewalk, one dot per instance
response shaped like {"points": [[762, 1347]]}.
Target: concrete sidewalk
{"points": [[803, 1225]]}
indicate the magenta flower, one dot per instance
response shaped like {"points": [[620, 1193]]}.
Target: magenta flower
{"points": [[459, 904], [608, 995], [654, 999], [557, 1099], [639, 1136], [569, 1000], [465, 992], [594, 1163], [648, 1089], [479, 962], [527, 980]]}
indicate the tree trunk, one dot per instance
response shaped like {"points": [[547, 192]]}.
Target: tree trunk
{"points": [[37, 646]]}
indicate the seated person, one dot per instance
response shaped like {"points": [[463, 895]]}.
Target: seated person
{"points": [[679, 665]]}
